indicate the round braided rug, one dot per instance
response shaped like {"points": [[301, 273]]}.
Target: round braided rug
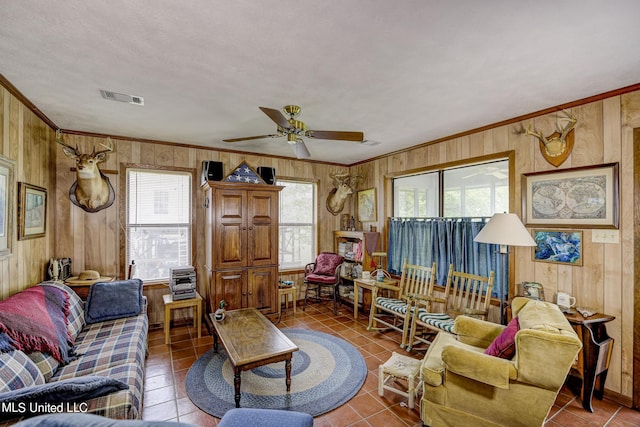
{"points": [[325, 373]]}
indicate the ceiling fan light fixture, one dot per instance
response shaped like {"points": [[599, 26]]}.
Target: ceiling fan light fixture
{"points": [[292, 139], [301, 150]]}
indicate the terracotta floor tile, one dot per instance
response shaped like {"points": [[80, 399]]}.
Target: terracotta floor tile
{"points": [[366, 405], [161, 412], [159, 395], [386, 418]]}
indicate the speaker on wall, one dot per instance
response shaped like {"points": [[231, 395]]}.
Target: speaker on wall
{"points": [[268, 175], [212, 171]]}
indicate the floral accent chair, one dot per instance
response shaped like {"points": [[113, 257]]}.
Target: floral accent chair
{"points": [[322, 278]]}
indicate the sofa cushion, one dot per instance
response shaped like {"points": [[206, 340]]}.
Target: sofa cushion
{"points": [[107, 344], [504, 345], [18, 371], [113, 300], [69, 390], [46, 363]]}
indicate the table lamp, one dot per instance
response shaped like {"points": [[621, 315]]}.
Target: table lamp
{"points": [[504, 229]]}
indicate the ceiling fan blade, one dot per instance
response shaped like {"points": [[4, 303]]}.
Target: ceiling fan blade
{"points": [[332, 134], [276, 116], [301, 150], [247, 138]]}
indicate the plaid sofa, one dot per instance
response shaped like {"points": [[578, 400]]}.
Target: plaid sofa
{"points": [[113, 348]]}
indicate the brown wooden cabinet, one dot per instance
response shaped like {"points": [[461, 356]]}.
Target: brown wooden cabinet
{"points": [[242, 245]]}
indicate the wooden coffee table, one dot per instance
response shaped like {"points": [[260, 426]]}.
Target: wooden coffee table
{"points": [[251, 340]]}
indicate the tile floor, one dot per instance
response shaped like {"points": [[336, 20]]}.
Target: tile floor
{"points": [[165, 397]]}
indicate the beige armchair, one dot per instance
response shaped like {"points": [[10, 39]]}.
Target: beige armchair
{"points": [[464, 386]]}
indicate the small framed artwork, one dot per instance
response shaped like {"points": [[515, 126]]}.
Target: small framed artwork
{"points": [[585, 197], [6, 198], [560, 247], [367, 205], [32, 211]]}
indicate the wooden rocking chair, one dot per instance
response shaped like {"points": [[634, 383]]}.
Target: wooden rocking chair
{"points": [[469, 295], [394, 312]]}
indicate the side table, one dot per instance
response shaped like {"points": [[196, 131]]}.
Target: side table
{"points": [[287, 291], [593, 360], [170, 304]]}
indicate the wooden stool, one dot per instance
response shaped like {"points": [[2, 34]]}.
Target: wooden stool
{"points": [[170, 304], [287, 291], [400, 367]]}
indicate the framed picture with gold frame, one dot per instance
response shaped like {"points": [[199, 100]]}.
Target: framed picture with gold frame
{"points": [[32, 211], [367, 205]]}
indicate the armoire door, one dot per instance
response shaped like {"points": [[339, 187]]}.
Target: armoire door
{"points": [[230, 240], [230, 286], [262, 222], [262, 288]]}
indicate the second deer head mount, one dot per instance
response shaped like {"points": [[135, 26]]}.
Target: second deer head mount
{"points": [[556, 147]]}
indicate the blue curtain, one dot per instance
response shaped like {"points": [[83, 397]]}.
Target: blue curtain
{"points": [[445, 241]]}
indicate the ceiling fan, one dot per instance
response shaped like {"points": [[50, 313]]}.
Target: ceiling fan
{"points": [[294, 130]]}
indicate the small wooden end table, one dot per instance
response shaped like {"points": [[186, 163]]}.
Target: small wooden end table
{"points": [[170, 304], [593, 360], [367, 284], [287, 291], [251, 340]]}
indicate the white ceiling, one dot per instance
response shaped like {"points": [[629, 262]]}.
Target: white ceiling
{"points": [[404, 72]]}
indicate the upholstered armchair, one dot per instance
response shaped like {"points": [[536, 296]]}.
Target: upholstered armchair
{"points": [[464, 386], [322, 278]]}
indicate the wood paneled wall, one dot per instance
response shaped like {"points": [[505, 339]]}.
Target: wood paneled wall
{"points": [[604, 134], [26, 140]]}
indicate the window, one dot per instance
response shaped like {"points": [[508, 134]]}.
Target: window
{"points": [[158, 221], [477, 190], [297, 223]]}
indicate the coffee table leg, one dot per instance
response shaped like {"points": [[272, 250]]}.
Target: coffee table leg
{"points": [[236, 383], [287, 368], [215, 342]]}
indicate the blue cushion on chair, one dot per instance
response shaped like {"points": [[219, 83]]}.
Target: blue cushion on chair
{"points": [[242, 417]]}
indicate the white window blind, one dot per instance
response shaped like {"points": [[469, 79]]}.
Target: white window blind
{"points": [[158, 221]]}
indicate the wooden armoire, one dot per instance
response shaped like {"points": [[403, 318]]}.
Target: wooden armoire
{"points": [[241, 229]]}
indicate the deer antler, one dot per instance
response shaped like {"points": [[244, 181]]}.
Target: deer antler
{"points": [[537, 134], [67, 149], [109, 148], [572, 123]]}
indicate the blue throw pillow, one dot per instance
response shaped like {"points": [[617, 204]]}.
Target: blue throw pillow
{"points": [[113, 300], [69, 390]]}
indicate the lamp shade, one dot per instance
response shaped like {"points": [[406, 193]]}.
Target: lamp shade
{"points": [[505, 229]]}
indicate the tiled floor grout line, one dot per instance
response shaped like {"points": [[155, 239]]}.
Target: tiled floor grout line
{"points": [[612, 417]]}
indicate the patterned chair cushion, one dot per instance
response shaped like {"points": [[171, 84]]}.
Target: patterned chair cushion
{"points": [[392, 304], [326, 263], [437, 320], [317, 278], [18, 371]]}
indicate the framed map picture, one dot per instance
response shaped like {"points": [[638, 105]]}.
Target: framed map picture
{"points": [[585, 197], [367, 205]]}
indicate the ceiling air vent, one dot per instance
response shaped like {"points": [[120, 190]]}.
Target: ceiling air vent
{"points": [[122, 97]]}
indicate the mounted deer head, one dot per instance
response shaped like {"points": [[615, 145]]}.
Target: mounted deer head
{"points": [[556, 147], [344, 185], [92, 190]]}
